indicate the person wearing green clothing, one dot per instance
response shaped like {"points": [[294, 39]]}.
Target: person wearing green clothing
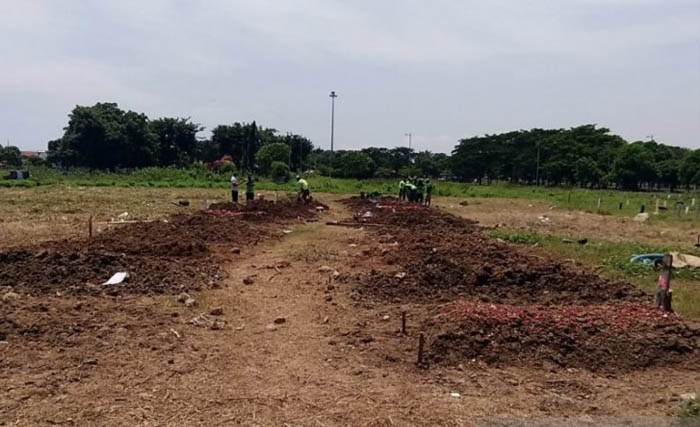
{"points": [[250, 187], [420, 189], [304, 193], [411, 192], [402, 190], [428, 192]]}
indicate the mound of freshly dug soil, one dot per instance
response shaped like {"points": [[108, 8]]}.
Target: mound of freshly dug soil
{"points": [[160, 256], [445, 257], [266, 209], [598, 338]]}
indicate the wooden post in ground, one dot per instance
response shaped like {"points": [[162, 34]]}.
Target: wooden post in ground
{"points": [[421, 344], [598, 203], [90, 227], [569, 197], [620, 208], [663, 295], [403, 322]]}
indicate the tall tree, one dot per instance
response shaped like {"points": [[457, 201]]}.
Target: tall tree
{"points": [[11, 155], [105, 137], [177, 140], [270, 153]]}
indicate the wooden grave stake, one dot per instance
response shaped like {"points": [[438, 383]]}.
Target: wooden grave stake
{"points": [[421, 344], [663, 295], [90, 227], [403, 322]]}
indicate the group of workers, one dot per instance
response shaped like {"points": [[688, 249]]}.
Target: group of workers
{"points": [[416, 190], [303, 195], [249, 188]]}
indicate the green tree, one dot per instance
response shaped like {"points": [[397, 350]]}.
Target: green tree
{"points": [[275, 152], [633, 166], [279, 172], [689, 172], [105, 137], [587, 172], [230, 140], [300, 147], [11, 155], [177, 140], [353, 164]]}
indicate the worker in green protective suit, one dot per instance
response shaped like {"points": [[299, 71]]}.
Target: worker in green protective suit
{"points": [[411, 192], [304, 194], [428, 192], [420, 190]]}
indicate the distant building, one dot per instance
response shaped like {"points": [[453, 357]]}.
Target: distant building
{"points": [[30, 154]]}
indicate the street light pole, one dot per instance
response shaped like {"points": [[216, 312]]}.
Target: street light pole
{"points": [[409, 140], [333, 96]]}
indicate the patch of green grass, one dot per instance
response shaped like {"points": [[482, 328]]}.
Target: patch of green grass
{"points": [[518, 238], [612, 202], [612, 260], [690, 408]]}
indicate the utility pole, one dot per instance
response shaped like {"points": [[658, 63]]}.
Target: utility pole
{"points": [[409, 140], [333, 96]]}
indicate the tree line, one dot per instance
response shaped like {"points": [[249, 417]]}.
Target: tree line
{"points": [[105, 137], [587, 156]]}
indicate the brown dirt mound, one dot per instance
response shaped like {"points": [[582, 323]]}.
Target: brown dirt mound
{"points": [[599, 338], [264, 209], [445, 257], [160, 257]]}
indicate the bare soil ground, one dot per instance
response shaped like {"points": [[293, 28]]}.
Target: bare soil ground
{"points": [[287, 341]]}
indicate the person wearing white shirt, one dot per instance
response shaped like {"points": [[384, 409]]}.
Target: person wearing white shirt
{"points": [[234, 189]]}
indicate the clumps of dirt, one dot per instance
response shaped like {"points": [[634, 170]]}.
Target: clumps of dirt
{"points": [[172, 256], [507, 305], [443, 257], [267, 209], [614, 337]]}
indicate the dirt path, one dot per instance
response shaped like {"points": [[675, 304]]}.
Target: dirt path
{"points": [[332, 362]]}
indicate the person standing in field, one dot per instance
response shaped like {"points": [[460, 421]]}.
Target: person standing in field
{"points": [[402, 190], [250, 187], [304, 192], [410, 192], [234, 189], [420, 189], [428, 192]]}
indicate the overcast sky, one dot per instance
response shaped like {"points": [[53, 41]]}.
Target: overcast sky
{"points": [[442, 70]]}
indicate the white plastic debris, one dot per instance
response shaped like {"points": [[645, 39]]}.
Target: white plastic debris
{"points": [[116, 279], [454, 394], [642, 217], [367, 214], [400, 275], [287, 231], [123, 215]]}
